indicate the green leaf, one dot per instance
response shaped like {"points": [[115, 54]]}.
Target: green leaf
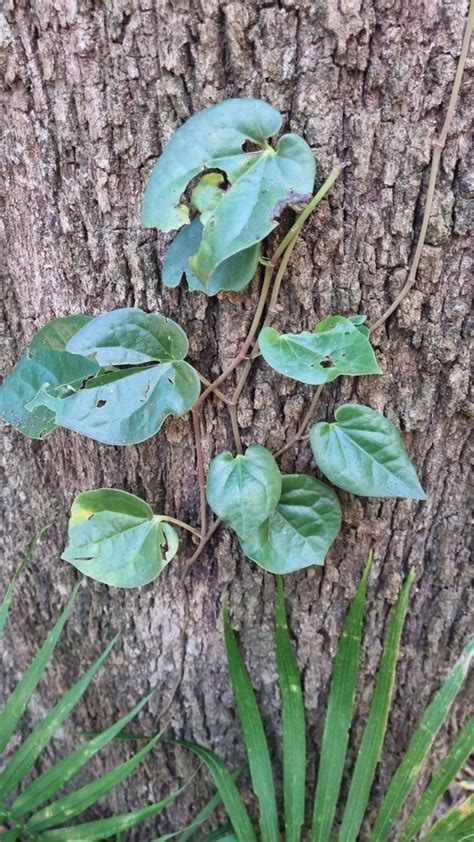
{"points": [[260, 182], [227, 790], [208, 194], [25, 757], [362, 452], [232, 275], [453, 763], [244, 490], [300, 530], [209, 808], [50, 782], [104, 828], [6, 602], [433, 718], [457, 823], [50, 370], [294, 737], [55, 335], [337, 346], [75, 803], [374, 732], [115, 538], [129, 336], [339, 715], [19, 698], [254, 736], [128, 406]]}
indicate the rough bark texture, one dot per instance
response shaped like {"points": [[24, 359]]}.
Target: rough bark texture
{"points": [[93, 91]]}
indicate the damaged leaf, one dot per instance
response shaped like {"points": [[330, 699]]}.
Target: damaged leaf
{"points": [[336, 347], [115, 538]]}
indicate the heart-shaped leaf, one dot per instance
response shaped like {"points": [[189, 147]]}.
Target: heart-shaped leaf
{"points": [[261, 182], [58, 372], [232, 275], [55, 335], [127, 406], [115, 538], [129, 336], [300, 530], [244, 490], [337, 346], [362, 452]]}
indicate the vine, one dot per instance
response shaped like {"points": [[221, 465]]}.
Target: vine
{"points": [[117, 377]]}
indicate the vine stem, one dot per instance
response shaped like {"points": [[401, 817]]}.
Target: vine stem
{"points": [[200, 470], [302, 428], [205, 538], [435, 162], [169, 519]]}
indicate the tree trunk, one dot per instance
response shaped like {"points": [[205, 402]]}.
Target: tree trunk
{"points": [[93, 92]]}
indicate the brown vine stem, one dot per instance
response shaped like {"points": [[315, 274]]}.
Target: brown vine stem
{"points": [[200, 469], [435, 162], [302, 428], [200, 548]]}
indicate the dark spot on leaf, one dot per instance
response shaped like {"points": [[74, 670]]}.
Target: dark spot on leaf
{"points": [[327, 363], [83, 558], [100, 403], [90, 516]]}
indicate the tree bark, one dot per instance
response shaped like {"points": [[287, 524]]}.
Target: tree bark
{"points": [[93, 92]]}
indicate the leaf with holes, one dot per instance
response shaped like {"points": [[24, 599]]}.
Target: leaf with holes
{"points": [[300, 530], [336, 347], [129, 336], [57, 372], [126, 406], [115, 538], [244, 490], [261, 182], [362, 452], [232, 275]]}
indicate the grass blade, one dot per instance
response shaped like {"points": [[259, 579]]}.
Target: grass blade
{"points": [[6, 602], [450, 767], [254, 736], [207, 811], [293, 717], [420, 744], [30, 750], [18, 700], [81, 799], [228, 791], [458, 823], [374, 732], [339, 715], [49, 783], [105, 828]]}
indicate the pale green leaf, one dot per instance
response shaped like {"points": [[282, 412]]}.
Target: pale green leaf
{"points": [[207, 194], [129, 336], [115, 538], [232, 275], [260, 182], [362, 452], [254, 737], [245, 489], [300, 530], [336, 347], [374, 732], [57, 372], [127, 406], [339, 715], [293, 717], [21, 695], [433, 718]]}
